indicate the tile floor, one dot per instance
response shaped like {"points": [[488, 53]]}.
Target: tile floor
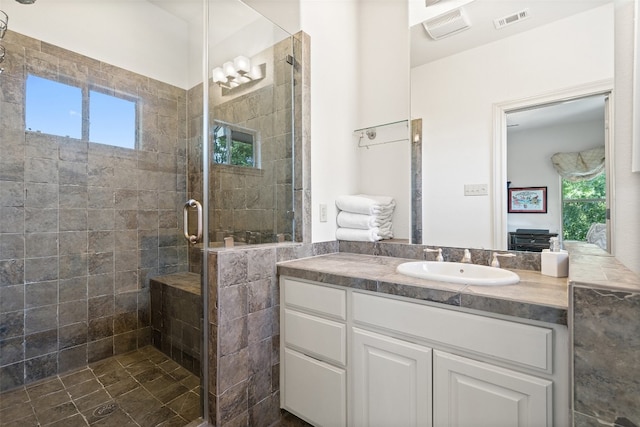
{"points": [[141, 388]]}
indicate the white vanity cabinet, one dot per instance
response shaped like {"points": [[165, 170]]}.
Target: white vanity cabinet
{"points": [[391, 381], [468, 393], [417, 364], [313, 353]]}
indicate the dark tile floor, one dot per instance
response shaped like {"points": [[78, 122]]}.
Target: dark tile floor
{"points": [[142, 388]]}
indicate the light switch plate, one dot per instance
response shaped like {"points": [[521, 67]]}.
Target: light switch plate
{"points": [[476, 189], [323, 212]]}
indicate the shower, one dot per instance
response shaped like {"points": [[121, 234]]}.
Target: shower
{"points": [[83, 305]]}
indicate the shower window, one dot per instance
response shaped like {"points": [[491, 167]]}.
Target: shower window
{"points": [[112, 120], [236, 146], [58, 109], [53, 108]]}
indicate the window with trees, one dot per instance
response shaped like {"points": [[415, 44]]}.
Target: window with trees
{"points": [[583, 203], [236, 146]]}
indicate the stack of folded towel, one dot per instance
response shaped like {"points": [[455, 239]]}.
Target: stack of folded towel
{"points": [[364, 218]]}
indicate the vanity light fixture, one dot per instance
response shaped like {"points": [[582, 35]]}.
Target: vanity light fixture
{"points": [[237, 72]]}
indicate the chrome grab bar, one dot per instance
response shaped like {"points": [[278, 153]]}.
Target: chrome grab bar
{"points": [[185, 215]]}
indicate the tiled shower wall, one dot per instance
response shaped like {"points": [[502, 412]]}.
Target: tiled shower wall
{"points": [[251, 204], [244, 331], [243, 295], [83, 226]]}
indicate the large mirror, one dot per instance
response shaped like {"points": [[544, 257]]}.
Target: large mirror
{"points": [[474, 65]]}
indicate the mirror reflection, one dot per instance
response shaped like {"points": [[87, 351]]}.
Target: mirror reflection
{"points": [[466, 82], [573, 185]]}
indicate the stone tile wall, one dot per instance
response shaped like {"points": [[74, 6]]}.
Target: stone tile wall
{"points": [[400, 249], [83, 225], [252, 205], [176, 316], [606, 357], [244, 331]]}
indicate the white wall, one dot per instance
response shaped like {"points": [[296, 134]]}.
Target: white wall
{"points": [[626, 211], [359, 77], [383, 59], [134, 35], [332, 27], [455, 96], [285, 13], [529, 165]]}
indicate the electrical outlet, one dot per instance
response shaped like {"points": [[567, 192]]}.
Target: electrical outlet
{"points": [[323, 212], [476, 189]]}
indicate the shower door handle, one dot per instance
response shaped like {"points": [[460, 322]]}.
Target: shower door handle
{"points": [[185, 215]]}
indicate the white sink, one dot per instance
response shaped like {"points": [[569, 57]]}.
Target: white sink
{"points": [[457, 272]]}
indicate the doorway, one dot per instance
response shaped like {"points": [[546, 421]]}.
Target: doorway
{"points": [[529, 132]]}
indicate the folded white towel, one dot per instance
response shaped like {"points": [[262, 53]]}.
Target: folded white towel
{"points": [[359, 235], [366, 205], [355, 220]]}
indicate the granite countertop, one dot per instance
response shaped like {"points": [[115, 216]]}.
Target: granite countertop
{"points": [[593, 267], [535, 297]]}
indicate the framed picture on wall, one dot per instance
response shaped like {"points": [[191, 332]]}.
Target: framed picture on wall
{"points": [[528, 200]]}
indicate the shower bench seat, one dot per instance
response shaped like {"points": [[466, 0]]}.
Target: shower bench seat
{"points": [[176, 314]]}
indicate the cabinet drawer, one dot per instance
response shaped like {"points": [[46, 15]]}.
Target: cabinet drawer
{"points": [[316, 336], [313, 390], [525, 345], [315, 298]]}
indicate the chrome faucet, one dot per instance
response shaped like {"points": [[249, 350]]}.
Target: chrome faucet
{"points": [[495, 262], [439, 258], [466, 258]]}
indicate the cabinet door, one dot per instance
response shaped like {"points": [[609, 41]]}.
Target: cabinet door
{"points": [[468, 393], [391, 381], [313, 390]]}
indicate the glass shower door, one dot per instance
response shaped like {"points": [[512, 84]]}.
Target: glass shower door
{"points": [[250, 127]]}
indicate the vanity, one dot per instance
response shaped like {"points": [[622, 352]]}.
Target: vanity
{"points": [[362, 345]]}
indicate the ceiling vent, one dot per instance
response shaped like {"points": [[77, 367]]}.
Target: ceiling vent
{"points": [[511, 19], [447, 25]]}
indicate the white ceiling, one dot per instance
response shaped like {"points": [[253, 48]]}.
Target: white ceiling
{"points": [[481, 14], [580, 110]]}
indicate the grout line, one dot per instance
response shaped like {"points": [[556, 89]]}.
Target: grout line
{"points": [[128, 359]]}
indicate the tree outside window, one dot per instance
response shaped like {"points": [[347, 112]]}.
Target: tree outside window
{"points": [[234, 146], [583, 203]]}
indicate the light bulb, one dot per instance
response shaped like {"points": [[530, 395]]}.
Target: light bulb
{"points": [[256, 72], [218, 75], [242, 64], [229, 70]]}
